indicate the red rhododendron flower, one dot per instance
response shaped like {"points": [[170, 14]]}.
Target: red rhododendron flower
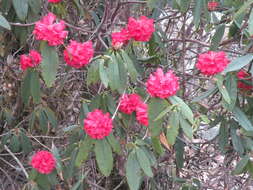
{"points": [[54, 1], [142, 114], [211, 63], [47, 29], [78, 54], [120, 38], [212, 5], [162, 85], [98, 125], [243, 75], [141, 29], [43, 161], [31, 60], [129, 102]]}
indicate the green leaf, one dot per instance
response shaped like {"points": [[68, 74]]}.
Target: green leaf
{"points": [[173, 128], [103, 74], [242, 119], [25, 87], [49, 64], [236, 140], [133, 172], [93, 73], [35, 87], [250, 24], [231, 86], [84, 150], [241, 165], [144, 162], [155, 107], [156, 144], [223, 137], [184, 108], [187, 129], [239, 63], [25, 143], [51, 116], [114, 143], [21, 8], [4, 23], [35, 5], [104, 157], [56, 154], [130, 66], [43, 182], [14, 143], [179, 148], [205, 94], [114, 76], [243, 8], [164, 112], [184, 5], [218, 35], [223, 89], [197, 12]]}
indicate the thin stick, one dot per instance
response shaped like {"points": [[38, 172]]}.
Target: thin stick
{"points": [[114, 114], [17, 160]]}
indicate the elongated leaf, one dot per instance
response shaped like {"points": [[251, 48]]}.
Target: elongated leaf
{"points": [[25, 143], [25, 87], [223, 137], [236, 140], [130, 66], [103, 74], [4, 23], [114, 76], [179, 148], [93, 73], [84, 150], [35, 5], [241, 165], [185, 109], [197, 12], [114, 143], [21, 8], [231, 86], [51, 116], [104, 157], [186, 127], [243, 8], [35, 87], [133, 172], [173, 128], [242, 119], [56, 154], [251, 23], [49, 64], [239, 63], [164, 112], [223, 89], [219, 33], [156, 143], [144, 162]]}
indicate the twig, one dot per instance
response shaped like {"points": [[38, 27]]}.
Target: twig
{"points": [[9, 178], [21, 24], [114, 114], [17, 160]]}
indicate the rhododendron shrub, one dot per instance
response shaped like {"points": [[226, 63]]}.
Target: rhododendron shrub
{"points": [[104, 94]]}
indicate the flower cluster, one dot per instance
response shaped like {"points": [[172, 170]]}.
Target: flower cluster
{"points": [[132, 102], [48, 30], [243, 75], [43, 161], [162, 85], [212, 5], [211, 63], [138, 29], [31, 60], [98, 125], [78, 54], [54, 1]]}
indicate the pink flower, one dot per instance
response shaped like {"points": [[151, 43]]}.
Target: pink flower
{"points": [[54, 1], [129, 102], [46, 29], [212, 5], [43, 161], [120, 38], [31, 60], [98, 125], [142, 114], [141, 29], [211, 63], [162, 85], [78, 54], [243, 75]]}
